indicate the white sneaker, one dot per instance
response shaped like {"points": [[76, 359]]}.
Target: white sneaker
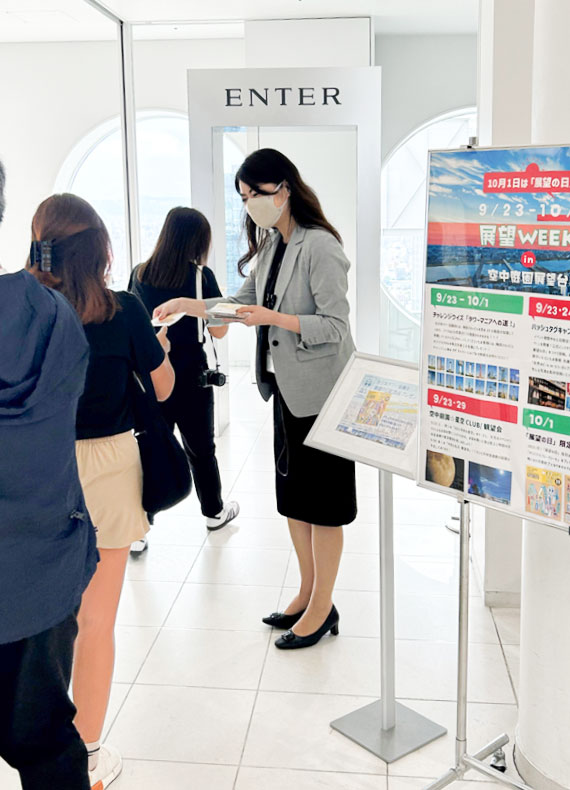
{"points": [[229, 512], [139, 546], [108, 768]]}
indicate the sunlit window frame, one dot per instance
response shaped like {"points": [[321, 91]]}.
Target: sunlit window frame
{"points": [[450, 115]]}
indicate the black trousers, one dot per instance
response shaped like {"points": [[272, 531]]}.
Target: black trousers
{"points": [[37, 734], [191, 408]]}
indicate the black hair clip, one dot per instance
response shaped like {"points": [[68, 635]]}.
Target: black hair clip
{"points": [[41, 255]]}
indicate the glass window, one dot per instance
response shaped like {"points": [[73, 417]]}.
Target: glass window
{"points": [[403, 228], [94, 171]]}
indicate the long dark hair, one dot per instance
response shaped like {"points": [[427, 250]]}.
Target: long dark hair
{"points": [[184, 240], [268, 166], [81, 255]]}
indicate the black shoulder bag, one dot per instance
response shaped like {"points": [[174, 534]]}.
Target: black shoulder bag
{"points": [[166, 473]]}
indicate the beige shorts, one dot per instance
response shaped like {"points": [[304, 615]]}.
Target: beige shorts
{"points": [[111, 476]]}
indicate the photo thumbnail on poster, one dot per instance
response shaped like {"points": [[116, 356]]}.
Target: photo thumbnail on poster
{"points": [[496, 304], [382, 410], [444, 470]]}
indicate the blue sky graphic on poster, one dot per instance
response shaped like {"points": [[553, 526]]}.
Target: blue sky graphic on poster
{"points": [[500, 219]]}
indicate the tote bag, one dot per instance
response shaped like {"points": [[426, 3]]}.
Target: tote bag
{"points": [[166, 473]]}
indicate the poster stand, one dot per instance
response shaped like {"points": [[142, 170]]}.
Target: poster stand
{"points": [[464, 761], [387, 728], [350, 425]]}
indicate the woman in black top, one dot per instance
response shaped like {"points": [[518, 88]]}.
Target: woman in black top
{"points": [[172, 270], [71, 253]]}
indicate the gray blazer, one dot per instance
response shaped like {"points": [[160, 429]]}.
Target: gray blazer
{"points": [[312, 284]]}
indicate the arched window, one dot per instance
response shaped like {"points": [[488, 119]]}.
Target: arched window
{"points": [[94, 170], [403, 227]]}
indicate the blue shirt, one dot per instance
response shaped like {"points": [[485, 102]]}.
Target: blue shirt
{"points": [[47, 541]]}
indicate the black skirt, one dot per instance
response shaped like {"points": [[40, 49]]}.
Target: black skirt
{"points": [[311, 486]]}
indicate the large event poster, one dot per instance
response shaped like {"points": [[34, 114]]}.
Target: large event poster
{"points": [[495, 380]]}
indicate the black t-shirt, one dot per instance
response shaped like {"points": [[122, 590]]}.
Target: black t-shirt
{"points": [[118, 347], [183, 336]]}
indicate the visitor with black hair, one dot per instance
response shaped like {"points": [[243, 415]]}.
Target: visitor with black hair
{"points": [[177, 268]]}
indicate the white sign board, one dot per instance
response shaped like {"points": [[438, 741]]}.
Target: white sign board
{"points": [[371, 415]]}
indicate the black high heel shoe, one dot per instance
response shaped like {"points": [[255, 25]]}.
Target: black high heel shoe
{"points": [[280, 620], [290, 641]]}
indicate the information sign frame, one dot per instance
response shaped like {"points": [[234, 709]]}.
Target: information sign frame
{"points": [[325, 434], [460, 297]]}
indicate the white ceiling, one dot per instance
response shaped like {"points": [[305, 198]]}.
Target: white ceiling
{"points": [[76, 20], [392, 16], [53, 20]]}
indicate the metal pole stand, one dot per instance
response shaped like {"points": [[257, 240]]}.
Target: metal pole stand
{"points": [[463, 761], [386, 728]]}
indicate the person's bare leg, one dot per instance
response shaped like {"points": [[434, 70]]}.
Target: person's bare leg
{"points": [[327, 551], [301, 535], [95, 645]]}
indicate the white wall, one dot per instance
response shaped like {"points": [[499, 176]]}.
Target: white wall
{"points": [[160, 68], [423, 76], [52, 95]]}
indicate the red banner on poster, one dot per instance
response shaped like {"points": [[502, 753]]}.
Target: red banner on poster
{"points": [[533, 179], [557, 309], [504, 412]]}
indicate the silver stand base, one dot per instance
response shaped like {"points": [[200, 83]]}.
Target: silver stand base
{"points": [[475, 762], [412, 730]]}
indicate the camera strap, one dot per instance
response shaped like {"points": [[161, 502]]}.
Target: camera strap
{"points": [[199, 292], [202, 335]]}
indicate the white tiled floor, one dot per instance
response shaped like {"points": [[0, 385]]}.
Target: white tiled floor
{"points": [[203, 701]]}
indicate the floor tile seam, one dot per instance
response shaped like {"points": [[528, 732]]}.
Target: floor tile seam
{"points": [[320, 694], [109, 727], [407, 499], [246, 548], [419, 639], [398, 522], [261, 673], [440, 559], [177, 762], [258, 584], [314, 770], [451, 698], [199, 628], [160, 627], [221, 629], [234, 584], [201, 686], [248, 728], [369, 637], [502, 646]]}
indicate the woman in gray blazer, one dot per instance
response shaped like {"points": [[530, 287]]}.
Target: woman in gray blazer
{"points": [[296, 296]]}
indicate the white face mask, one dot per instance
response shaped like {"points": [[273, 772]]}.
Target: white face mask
{"points": [[263, 210]]}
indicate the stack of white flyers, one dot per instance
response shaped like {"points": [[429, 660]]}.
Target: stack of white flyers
{"points": [[226, 310]]}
